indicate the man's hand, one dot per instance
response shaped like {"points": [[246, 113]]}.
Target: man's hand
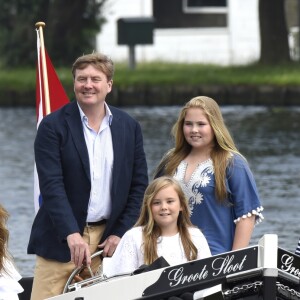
{"points": [[109, 245], [79, 250]]}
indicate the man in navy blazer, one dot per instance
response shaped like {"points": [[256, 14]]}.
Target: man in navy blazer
{"points": [[92, 174]]}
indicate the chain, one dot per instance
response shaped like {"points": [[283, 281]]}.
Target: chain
{"points": [[242, 289], [281, 288], [287, 289]]}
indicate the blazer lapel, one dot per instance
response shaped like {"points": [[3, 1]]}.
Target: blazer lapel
{"points": [[75, 127], [118, 135]]}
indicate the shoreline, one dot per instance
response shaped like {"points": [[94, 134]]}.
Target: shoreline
{"points": [[263, 95]]}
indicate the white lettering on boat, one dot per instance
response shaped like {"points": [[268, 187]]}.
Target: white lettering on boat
{"points": [[224, 265], [287, 265], [220, 266], [177, 277]]}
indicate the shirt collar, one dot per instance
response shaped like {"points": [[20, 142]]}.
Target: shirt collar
{"points": [[108, 113]]}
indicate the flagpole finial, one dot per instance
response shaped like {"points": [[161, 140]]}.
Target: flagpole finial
{"points": [[39, 28], [40, 24]]}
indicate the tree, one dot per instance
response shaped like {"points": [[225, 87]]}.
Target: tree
{"points": [[72, 32], [17, 35], [71, 29], [273, 32]]}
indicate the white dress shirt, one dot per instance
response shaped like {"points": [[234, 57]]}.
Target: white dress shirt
{"points": [[101, 157]]}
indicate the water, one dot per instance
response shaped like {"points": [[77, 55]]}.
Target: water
{"points": [[269, 138]]}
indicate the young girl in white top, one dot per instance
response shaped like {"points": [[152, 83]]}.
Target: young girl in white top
{"points": [[163, 229], [9, 276]]}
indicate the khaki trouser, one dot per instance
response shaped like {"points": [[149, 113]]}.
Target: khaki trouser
{"points": [[50, 276]]}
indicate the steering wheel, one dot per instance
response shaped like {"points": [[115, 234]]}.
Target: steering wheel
{"points": [[75, 275]]}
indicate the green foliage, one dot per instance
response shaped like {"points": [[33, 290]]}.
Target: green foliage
{"points": [[169, 74], [71, 28], [17, 86]]}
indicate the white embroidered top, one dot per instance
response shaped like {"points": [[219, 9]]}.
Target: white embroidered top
{"points": [[9, 285], [129, 254]]}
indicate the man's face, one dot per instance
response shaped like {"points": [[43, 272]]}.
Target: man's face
{"points": [[91, 86]]}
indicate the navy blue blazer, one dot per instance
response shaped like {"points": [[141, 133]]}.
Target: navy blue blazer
{"points": [[64, 175]]}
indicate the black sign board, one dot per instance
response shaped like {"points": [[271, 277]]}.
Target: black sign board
{"points": [[288, 262], [135, 31], [202, 273]]}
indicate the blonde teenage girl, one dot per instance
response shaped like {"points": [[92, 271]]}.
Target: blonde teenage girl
{"points": [[163, 229], [215, 177]]}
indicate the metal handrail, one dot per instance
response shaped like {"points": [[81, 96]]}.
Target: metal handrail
{"points": [[77, 271]]}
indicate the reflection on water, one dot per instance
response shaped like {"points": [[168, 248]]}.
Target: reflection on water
{"points": [[269, 138]]}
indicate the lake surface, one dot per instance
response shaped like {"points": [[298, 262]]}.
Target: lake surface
{"points": [[268, 137]]}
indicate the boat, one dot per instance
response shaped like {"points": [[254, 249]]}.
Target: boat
{"points": [[263, 271]]}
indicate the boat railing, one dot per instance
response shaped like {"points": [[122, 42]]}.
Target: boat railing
{"points": [[263, 271]]}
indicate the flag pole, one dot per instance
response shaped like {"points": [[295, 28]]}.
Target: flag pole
{"points": [[39, 26]]}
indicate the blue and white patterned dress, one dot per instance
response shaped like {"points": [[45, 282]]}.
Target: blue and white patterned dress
{"points": [[218, 220]]}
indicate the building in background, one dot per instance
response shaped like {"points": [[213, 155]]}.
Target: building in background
{"points": [[188, 31]]}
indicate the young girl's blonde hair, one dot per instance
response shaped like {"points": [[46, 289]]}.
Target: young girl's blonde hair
{"points": [[224, 145], [151, 230], [4, 234]]}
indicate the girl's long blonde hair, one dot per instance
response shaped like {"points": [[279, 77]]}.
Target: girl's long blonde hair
{"points": [[220, 154], [4, 234], [151, 231]]}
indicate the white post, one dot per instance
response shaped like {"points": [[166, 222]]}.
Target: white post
{"points": [[268, 260]]}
